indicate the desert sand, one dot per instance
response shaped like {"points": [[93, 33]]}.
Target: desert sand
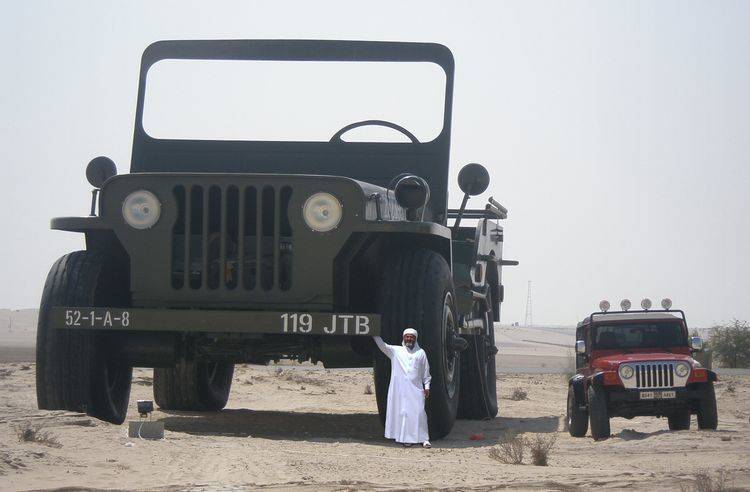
{"points": [[301, 426]]}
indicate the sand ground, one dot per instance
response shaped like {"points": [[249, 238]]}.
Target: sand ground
{"points": [[307, 427], [317, 429]]}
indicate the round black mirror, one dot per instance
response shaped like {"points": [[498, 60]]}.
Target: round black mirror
{"points": [[411, 192], [473, 179], [99, 170]]}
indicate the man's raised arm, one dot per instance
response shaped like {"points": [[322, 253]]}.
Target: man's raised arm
{"points": [[384, 347]]}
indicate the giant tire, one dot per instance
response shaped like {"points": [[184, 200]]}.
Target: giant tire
{"points": [[679, 421], [598, 415], [577, 419], [417, 291], [197, 385], [478, 395], [74, 370], [708, 417]]}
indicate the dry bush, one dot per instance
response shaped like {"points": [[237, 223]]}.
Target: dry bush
{"points": [[368, 390], [509, 451], [731, 387], [29, 432], [540, 447], [519, 394], [704, 482]]}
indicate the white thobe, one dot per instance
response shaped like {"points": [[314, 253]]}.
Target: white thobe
{"points": [[405, 418]]}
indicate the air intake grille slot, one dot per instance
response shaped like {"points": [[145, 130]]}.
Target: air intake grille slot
{"points": [[229, 237]]}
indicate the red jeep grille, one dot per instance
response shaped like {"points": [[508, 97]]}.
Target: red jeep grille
{"points": [[230, 237], [654, 375]]}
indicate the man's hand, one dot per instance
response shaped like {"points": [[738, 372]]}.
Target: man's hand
{"points": [[426, 393]]}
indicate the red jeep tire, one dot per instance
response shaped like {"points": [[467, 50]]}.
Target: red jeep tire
{"points": [[598, 414], [708, 417], [577, 419], [679, 421]]}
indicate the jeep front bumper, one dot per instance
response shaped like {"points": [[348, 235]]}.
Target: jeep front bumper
{"points": [[215, 321]]}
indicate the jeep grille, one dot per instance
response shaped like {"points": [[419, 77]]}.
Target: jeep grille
{"points": [[238, 237], [657, 374]]}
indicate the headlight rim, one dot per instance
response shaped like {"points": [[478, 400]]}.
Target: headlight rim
{"points": [[623, 370], [680, 365], [336, 201], [125, 212]]}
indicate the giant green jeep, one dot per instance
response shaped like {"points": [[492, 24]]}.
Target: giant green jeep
{"points": [[215, 251]]}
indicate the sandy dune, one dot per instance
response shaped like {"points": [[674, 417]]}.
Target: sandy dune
{"points": [[317, 429]]}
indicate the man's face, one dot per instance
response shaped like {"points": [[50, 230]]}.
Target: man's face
{"points": [[410, 340]]}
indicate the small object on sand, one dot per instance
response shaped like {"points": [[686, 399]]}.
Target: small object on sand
{"points": [[368, 390], [726, 438], [279, 371], [476, 437], [146, 429], [129, 444]]}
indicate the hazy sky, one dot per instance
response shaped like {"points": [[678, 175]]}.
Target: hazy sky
{"points": [[616, 133]]}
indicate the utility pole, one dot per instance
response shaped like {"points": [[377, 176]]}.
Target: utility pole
{"points": [[529, 319]]}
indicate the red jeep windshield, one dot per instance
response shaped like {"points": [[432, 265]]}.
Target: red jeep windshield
{"points": [[639, 335]]}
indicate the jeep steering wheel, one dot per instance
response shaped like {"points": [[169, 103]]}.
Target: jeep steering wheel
{"points": [[337, 136]]}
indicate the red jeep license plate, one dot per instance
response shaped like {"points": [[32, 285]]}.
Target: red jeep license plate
{"points": [[657, 395]]}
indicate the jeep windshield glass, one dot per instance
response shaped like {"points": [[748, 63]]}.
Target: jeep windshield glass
{"points": [[639, 335], [292, 100]]}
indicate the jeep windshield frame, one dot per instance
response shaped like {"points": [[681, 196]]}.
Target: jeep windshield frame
{"points": [[647, 334], [373, 162]]}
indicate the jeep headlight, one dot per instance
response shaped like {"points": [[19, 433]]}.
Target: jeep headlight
{"points": [[681, 369], [322, 212], [626, 372], [141, 209]]}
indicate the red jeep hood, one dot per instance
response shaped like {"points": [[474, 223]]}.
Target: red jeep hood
{"points": [[613, 360]]}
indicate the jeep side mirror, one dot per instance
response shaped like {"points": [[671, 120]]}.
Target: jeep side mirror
{"points": [[580, 347], [696, 344], [99, 170], [473, 179]]}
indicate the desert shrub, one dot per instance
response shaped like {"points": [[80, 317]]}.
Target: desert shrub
{"points": [[731, 387], [540, 447], [731, 344], [519, 394], [29, 432], [509, 451], [704, 482]]}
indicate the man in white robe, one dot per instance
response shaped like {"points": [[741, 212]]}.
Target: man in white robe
{"points": [[406, 419]]}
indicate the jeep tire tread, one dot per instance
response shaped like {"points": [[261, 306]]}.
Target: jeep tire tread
{"points": [[708, 417], [478, 396], [74, 370], [598, 415], [577, 419], [197, 385], [416, 286]]}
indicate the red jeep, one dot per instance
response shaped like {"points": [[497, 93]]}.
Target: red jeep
{"points": [[632, 363]]}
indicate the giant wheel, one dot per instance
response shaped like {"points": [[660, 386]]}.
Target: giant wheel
{"points": [[417, 291]]}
